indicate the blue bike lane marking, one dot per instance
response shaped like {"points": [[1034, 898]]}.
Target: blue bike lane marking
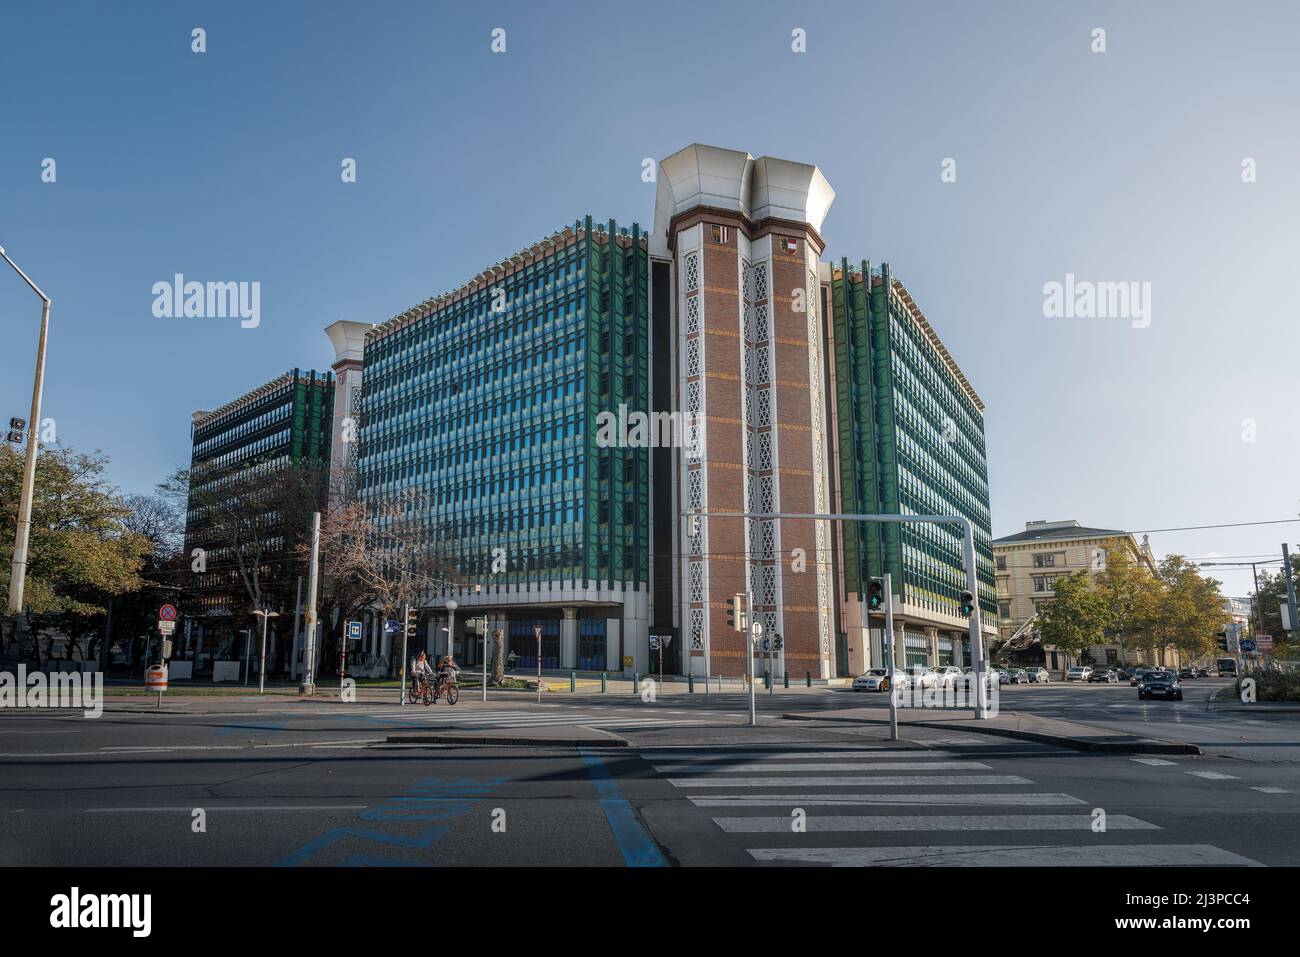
{"points": [[431, 800], [638, 847]]}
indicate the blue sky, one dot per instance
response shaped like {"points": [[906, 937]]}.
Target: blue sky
{"points": [[1115, 166]]}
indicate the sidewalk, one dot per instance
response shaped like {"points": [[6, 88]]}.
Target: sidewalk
{"points": [[1026, 727]]}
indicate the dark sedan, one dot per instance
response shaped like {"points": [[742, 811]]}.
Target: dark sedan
{"points": [[1160, 684]]}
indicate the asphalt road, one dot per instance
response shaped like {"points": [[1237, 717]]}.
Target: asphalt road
{"points": [[318, 785]]}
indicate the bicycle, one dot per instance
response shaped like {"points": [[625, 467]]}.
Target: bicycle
{"points": [[447, 688], [419, 691]]}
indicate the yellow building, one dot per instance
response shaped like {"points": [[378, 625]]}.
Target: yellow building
{"points": [[1028, 563]]}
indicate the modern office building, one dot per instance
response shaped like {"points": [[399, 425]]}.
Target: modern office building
{"points": [[285, 421], [1028, 563], [721, 329], [484, 405], [910, 441]]}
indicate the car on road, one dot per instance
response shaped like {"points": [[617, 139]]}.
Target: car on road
{"points": [[1039, 676], [1078, 673], [1185, 673], [877, 679], [947, 676], [1160, 684], [1202, 673], [1109, 677], [1138, 674], [1017, 676]]}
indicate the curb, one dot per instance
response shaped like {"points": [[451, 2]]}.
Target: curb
{"points": [[506, 739], [1140, 746]]}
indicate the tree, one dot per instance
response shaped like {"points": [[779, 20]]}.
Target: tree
{"points": [[1129, 593], [1188, 611], [498, 657], [82, 550], [1269, 599], [1075, 618], [379, 555]]}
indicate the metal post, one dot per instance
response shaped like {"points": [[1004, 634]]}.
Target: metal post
{"points": [[18, 564], [485, 657], [1290, 593], [406, 614], [976, 634], [309, 681], [297, 636], [891, 668], [261, 673], [538, 633], [749, 657]]}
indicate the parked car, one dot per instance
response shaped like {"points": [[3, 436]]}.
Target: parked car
{"points": [[1004, 676], [1078, 673], [1186, 672], [1039, 676], [1138, 674], [1110, 677], [877, 679], [1017, 676], [1160, 684], [1202, 673], [1123, 674], [947, 676], [922, 677], [990, 676]]}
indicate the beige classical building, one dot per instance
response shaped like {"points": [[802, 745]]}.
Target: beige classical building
{"points": [[1028, 564]]}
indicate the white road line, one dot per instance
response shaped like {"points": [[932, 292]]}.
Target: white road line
{"points": [[212, 808], [916, 800], [1154, 762], [1271, 790], [1002, 855], [1021, 823], [1214, 776], [902, 780], [829, 766], [653, 754]]}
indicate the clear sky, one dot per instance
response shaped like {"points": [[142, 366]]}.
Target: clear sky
{"points": [[1117, 166]]}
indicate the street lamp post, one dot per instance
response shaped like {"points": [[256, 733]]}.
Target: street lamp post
{"points": [[451, 623], [261, 668], [18, 569]]}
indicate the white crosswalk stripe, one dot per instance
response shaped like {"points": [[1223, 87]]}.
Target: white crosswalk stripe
{"points": [[504, 720], [800, 782]]}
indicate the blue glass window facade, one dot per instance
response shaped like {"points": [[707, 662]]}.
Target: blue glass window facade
{"points": [[484, 403]]}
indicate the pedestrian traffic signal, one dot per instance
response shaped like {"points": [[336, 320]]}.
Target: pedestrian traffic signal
{"points": [[875, 595], [412, 618], [967, 603]]}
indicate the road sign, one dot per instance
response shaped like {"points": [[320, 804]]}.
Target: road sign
{"points": [[167, 649], [166, 627], [1247, 645], [756, 628], [654, 642], [155, 678], [354, 630], [392, 627], [1264, 642], [767, 644], [537, 632], [167, 612], [666, 639]]}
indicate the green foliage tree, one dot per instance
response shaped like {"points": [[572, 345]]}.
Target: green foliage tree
{"points": [[82, 550], [1269, 599], [1075, 619], [1129, 592], [1187, 613]]}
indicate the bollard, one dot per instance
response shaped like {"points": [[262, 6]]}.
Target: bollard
{"points": [[573, 682], [809, 674], [602, 683], [636, 682], [690, 683], [787, 679], [767, 681]]}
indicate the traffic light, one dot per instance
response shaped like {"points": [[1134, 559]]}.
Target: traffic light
{"points": [[1223, 640], [967, 603], [16, 428], [875, 595], [412, 619], [736, 612]]}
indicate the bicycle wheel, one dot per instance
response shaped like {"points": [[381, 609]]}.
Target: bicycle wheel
{"points": [[453, 695]]}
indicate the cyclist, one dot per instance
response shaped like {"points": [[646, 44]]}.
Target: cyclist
{"points": [[446, 673], [421, 672]]}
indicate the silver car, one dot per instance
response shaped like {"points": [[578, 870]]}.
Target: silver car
{"points": [[1039, 676]]}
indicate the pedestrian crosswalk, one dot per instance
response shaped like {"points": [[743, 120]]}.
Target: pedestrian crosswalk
{"points": [[775, 801], [453, 718]]}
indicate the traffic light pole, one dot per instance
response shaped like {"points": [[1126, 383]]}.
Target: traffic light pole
{"points": [[406, 613], [893, 667], [1290, 590], [968, 550], [749, 659]]}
